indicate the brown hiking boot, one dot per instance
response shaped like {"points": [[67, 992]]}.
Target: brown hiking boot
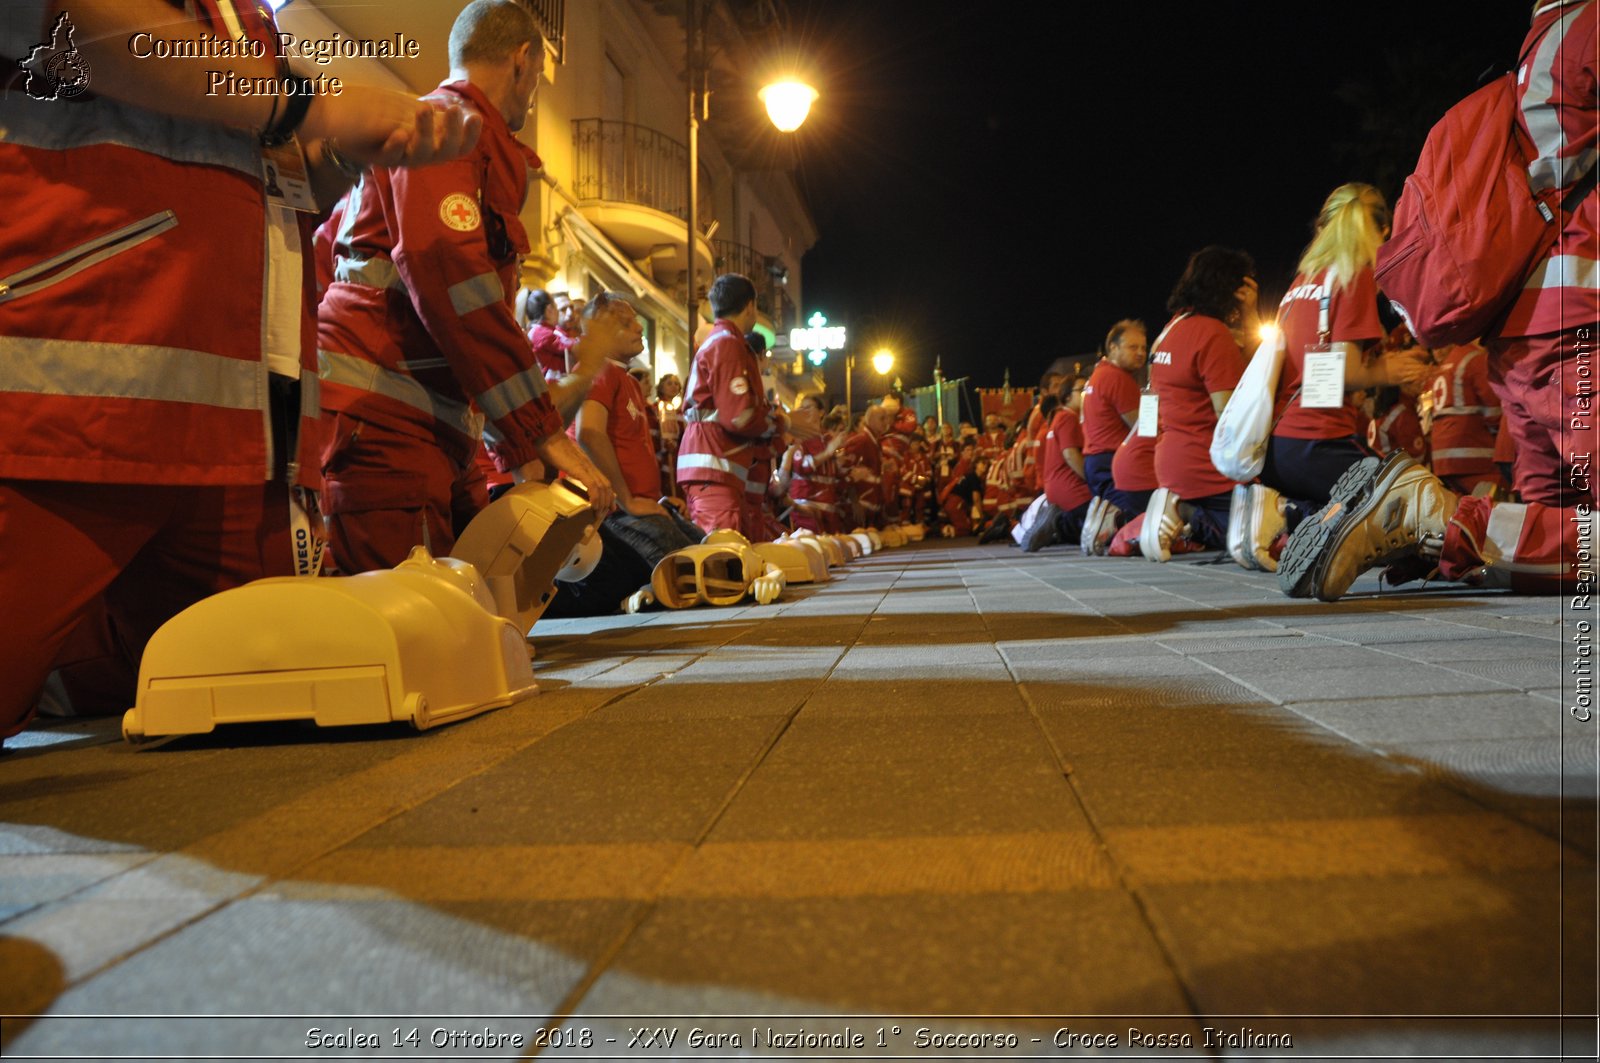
{"points": [[1401, 512]]}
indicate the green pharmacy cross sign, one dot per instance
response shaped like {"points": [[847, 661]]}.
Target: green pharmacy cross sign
{"points": [[818, 339]]}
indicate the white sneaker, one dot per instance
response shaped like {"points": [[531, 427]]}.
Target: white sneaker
{"points": [[1161, 525], [1239, 528], [1099, 527], [1266, 523]]}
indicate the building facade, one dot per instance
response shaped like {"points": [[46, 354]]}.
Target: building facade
{"points": [[610, 209]]}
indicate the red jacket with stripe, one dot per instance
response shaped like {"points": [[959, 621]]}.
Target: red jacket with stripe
{"points": [[1556, 87], [1464, 407], [417, 331], [727, 421], [122, 357]]}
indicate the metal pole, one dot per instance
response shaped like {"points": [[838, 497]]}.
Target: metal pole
{"points": [[849, 403], [693, 73], [938, 392]]}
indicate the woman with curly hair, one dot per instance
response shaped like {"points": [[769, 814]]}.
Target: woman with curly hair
{"points": [[1194, 366]]}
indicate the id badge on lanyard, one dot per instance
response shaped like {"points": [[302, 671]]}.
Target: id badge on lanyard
{"points": [[1322, 375], [1149, 412], [287, 177]]}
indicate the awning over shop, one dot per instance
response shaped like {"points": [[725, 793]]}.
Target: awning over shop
{"points": [[612, 266]]}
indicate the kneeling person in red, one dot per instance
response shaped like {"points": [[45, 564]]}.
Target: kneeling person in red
{"points": [[1061, 471], [613, 427], [727, 420], [417, 342]]}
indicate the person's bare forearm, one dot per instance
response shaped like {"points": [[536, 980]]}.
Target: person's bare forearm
{"points": [[597, 445], [373, 126], [113, 34]]}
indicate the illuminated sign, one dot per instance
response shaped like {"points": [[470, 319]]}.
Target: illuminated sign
{"points": [[819, 339]]}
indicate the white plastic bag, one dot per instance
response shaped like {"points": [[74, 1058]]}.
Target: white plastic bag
{"points": [[1239, 444]]}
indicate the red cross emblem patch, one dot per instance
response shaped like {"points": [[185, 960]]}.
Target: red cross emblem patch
{"points": [[459, 212]]}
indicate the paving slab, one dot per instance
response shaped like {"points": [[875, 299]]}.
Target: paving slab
{"points": [[959, 789]]}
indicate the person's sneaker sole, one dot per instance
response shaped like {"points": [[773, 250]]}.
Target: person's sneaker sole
{"points": [[1297, 568], [1162, 502], [1091, 523], [1043, 532], [1262, 499]]}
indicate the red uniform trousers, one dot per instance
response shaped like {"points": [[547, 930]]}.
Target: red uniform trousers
{"points": [[150, 551], [715, 506], [385, 492], [1546, 386]]}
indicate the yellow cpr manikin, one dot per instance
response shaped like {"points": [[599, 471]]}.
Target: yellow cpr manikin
{"points": [[431, 641]]}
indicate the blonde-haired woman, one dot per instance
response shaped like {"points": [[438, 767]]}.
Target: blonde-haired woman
{"points": [[1329, 321]]}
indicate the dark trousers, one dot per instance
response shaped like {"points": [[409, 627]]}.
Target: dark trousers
{"points": [[1208, 519], [631, 547], [1097, 474], [1069, 523], [1304, 471]]}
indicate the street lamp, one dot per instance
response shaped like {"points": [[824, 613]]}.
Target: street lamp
{"points": [[883, 360], [788, 103], [789, 98]]}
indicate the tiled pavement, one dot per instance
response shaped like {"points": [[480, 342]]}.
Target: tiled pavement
{"points": [[959, 789]]}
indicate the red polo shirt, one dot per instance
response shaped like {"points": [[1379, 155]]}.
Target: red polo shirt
{"points": [[1196, 357], [1062, 486], [1111, 392]]}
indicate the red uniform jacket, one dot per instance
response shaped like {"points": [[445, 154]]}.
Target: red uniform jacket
{"points": [[816, 479], [1556, 87], [550, 347], [417, 327], [863, 450], [726, 417], [169, 383], [1464, 410]]}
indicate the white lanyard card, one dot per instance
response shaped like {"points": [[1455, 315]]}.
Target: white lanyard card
{"points": [[1322, 378], [1149, 410]]}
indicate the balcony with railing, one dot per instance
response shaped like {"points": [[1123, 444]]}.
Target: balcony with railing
{"points": [[772, 298], [551, 15], [632, 182]]}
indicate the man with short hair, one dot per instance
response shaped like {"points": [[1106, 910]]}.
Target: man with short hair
{"points": [[1110, 412], [861, 462], [417, 333], [727, 418], [614, 430]]}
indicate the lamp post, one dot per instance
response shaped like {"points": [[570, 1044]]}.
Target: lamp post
{"points": [[787, 101]]}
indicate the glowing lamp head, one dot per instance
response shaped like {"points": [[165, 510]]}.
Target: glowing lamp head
{"points": [[788, 103], [883, 361]]}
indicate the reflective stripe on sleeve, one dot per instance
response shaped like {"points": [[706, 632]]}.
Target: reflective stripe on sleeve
{"points": [[130, 371], [475, 294], [338, 368], [1549, 169], [511, 394], [1565, 271], [1449, 453]]}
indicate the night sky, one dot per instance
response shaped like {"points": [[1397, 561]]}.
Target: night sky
{"points": [[997, 188]]}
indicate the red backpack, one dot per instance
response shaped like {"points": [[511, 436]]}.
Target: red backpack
{"points": [[1467, 230]]}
